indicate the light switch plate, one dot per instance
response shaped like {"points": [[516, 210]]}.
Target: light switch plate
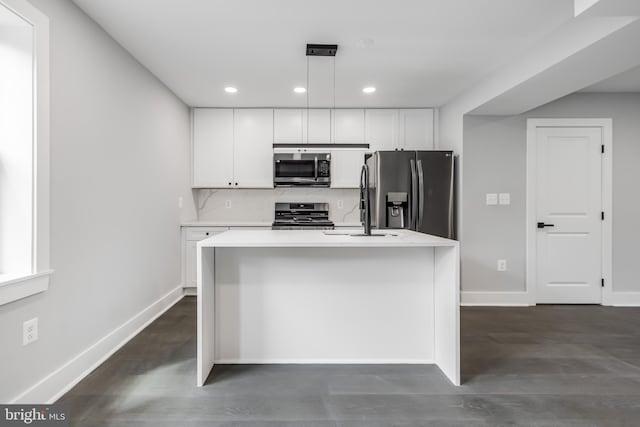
{"points": [[504, 198], [492, 199], [227, 204], [502, 265]]}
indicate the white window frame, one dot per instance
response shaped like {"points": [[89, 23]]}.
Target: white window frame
{"points": [[37, 281]]}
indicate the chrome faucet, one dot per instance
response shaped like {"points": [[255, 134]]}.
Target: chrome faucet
{"points": [[365, 203]]}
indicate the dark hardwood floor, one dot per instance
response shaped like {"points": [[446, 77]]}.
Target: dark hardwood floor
{"points": [[538, 366]]}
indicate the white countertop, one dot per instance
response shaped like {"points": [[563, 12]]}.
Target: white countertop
{"points": [[250, 224], [319, 238]]}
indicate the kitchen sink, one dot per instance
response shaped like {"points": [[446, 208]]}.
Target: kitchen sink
{"points": [[360, 234]]}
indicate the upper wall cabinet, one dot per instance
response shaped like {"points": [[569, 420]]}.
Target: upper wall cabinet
{"points": [[287, 126], [318, 129], [232, 148], [253, 148], [348, 126], [416, 129], [382, 129], [290, 126], [212, 147]]}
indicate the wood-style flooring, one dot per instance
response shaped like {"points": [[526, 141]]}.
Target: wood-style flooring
{"points": [[536, 366]]}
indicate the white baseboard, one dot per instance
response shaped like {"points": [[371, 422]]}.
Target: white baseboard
{"points": [[624, 299], [495, 299], [54, 385], [325, 361], [190, 291]]}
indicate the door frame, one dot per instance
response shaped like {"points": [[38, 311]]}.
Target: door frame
{"points": [[606, 126]]}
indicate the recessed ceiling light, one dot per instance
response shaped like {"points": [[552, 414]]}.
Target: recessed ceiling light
{"points": [[369, 89], [299, 90], [230, 89]]}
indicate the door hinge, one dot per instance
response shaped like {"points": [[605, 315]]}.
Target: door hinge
{"points": [[602, 215], [602, 281], [602, 148]]}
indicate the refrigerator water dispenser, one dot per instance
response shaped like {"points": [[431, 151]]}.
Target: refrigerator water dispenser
{"points": [[397, 210]]}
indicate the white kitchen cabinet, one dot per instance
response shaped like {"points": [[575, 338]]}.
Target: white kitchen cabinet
{"points": [[232, 148], [212, 147], [346, 166], [416, 129], [381, 129], [192, 235], [288, 126], [318, 130], [348, 126], [253, 148]]}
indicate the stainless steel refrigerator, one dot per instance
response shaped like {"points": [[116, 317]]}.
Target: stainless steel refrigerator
{"points": [[413, 190]]}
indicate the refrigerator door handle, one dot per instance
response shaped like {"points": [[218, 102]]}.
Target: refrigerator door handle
{"points": [[413, 221], [421, 195]]}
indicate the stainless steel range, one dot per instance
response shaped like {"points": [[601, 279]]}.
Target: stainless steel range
{"points": [[302, 216]]}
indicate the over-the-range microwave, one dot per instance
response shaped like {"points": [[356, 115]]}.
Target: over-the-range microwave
{"points": [[302, 169]]}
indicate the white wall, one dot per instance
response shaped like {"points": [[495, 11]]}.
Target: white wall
{"points": [[119, 162], [494, 150]]}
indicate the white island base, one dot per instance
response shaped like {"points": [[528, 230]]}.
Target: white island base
{"points": [[307, 297]]}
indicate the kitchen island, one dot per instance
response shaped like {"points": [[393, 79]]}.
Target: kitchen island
{"points": [[312, 296]]}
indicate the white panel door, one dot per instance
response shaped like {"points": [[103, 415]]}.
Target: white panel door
{"points": [[569, 223], [348, 126], [253, 148], [287, 126], [381, 129], [318, 129], [212, 147], [346, 166], [416, 129]]}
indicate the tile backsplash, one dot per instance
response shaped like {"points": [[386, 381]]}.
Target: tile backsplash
{"points": [[257, 205]]}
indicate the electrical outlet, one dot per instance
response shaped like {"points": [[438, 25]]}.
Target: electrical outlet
{"points": [[30, 331], [227, 204], [504, 198], [180, 202], [340, 204], [502, 265], [492, 199]]}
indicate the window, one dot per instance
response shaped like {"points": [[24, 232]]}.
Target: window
{"points": [[16, 146], [24, 150]]}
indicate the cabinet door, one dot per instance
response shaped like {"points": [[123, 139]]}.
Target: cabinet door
{"points": [[192, 236], [381, 129], [346, 166], [287, 126], [253, 148], [212, 165], [190, 263], [318, 129], [416, 129], [348, 126]]}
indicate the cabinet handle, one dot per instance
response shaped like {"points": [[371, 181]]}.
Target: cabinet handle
{"points": [[229, 183], [236, 183]]}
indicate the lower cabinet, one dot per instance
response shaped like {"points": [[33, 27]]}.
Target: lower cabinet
{"points": [[190, 238]]}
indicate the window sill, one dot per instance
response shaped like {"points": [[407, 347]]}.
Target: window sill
{"points": [[13, 288]]}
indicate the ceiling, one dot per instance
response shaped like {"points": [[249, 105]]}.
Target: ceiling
{"points": [[415, 52], [629, 81]]}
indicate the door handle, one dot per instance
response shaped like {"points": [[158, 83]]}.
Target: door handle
{"points": [[420, 194], [543, 225], [413, 208]]}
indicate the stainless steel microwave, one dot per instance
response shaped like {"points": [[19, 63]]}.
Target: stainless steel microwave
{"points": [[302, 169]]}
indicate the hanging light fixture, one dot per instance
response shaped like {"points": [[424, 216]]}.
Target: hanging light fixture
{"points": [[320, 50]]}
